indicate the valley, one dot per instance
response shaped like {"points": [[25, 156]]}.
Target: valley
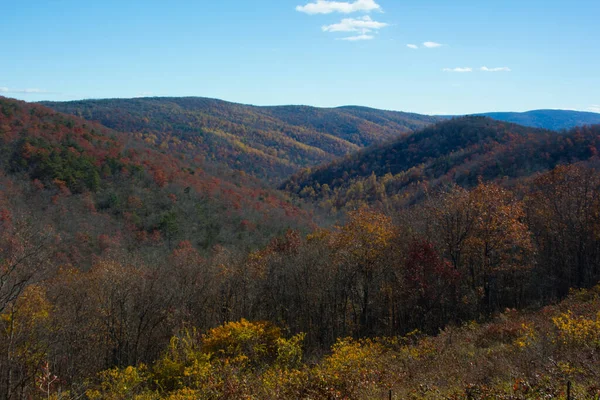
{"points": [[192, 248]]}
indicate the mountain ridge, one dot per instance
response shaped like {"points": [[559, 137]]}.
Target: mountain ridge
{"points": [[457, 151], [554, 119], [267, 142]]}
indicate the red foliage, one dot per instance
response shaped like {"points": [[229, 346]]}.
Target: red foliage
{"points": [[160, 178], [427, 274]]}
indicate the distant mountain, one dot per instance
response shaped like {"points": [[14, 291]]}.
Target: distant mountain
{"points": [[461, 150], [267, 142], [547, 119]]}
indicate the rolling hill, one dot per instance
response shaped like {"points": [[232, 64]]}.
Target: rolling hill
{"points": [[270, 143], [461, 150], [103, 190]]}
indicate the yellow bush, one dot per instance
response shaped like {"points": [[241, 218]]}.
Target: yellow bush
{"points": [[184, 364], [254, 341], [119, 384], [527, 338], [289, 351], [353, 365], [226, 357], [577, 330]]}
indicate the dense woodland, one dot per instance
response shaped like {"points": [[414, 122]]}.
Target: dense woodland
{"points": [[267, 142], [461, 151], [465, 267]]}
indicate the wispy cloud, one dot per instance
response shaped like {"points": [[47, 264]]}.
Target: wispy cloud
{"points": [[432, 45], [358, 37], [458, 69], [328, 7], [363, 25], [497, 69], [594, 108], [412, 46], [484, 69], [23, 91]]}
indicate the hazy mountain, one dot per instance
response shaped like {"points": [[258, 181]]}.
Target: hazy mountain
{"points": [[548, 119]]}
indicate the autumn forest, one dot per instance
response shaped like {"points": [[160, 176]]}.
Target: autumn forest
{"points": [[190, 248]]}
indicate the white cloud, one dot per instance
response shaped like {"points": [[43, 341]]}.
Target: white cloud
{"points": [[497, 69], [412, 46], [594, 108], [363, 25], [458, 69], [432, 45], [22, 91], [358, 37], [328, 7]]}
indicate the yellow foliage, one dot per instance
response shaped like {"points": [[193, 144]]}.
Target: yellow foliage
{"points": [[254, 341], [289, 351], [284, 383], [30, 309], [424, 348], [365, 238], [527, 338], [25, 323], [577, 330], [353, 365], [568, 369], [119, 384], [183, 364], [223, 356]]}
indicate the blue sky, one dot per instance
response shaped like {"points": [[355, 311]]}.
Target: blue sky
{"points": [[539, 54]]}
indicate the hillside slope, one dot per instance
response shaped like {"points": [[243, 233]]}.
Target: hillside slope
{"points": [[268, 142], [102, 190], [460, 150], [518, 356]]}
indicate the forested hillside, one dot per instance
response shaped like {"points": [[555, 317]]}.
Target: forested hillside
{"points": [[233, 325], [130, 271], [461, 151], [92, 184], [268, 142]]}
